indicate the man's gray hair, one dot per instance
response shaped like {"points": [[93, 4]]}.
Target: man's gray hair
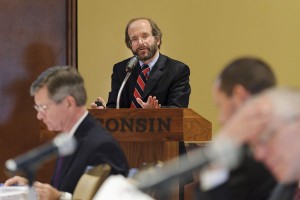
{"points": [[285, 102], [61, 81]]}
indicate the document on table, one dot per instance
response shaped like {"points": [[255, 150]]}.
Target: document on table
{"points": [[14, 193]]}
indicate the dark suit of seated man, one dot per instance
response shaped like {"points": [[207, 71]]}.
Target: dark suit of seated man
{"points": [[60, 99]]}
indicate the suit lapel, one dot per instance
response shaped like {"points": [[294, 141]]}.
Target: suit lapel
{"points": [[283, 192], [155, 75], [68, 160], [67, 164]]}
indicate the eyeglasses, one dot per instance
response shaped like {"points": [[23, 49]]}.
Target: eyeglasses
{"points": [[137, 39], [42, 107]]}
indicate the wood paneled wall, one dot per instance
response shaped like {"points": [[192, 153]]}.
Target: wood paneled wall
{"points": [[34, 35]]}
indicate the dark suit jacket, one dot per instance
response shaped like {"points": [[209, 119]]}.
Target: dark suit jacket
{"points": [[94, 146], [168, 81], [250, 181]]}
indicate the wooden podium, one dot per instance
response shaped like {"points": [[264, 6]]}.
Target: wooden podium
{"points": [[150, 135]]}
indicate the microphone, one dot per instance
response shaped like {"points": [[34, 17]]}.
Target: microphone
{"points": [[132, 63], [129, 67], [224, 152], [61, 145]]}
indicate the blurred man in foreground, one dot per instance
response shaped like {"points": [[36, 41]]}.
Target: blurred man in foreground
{"points": [[60, 99]]}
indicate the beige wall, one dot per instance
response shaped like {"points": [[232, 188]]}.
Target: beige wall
{"points": [[204, 34]]}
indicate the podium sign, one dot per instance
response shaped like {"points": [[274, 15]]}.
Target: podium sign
{"points": [[149, 135]]}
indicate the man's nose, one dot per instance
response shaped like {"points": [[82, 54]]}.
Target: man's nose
{"points": [[39, 115]]}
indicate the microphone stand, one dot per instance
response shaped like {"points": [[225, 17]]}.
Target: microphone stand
{"points": [[30, 174], [130, 65], [121, 89], [32, 194], [227, 155]]}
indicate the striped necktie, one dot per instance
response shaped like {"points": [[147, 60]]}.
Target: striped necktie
{"points": [[140, 86]]}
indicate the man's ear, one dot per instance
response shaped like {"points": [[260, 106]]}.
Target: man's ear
{"points": [[240, 94], [70, 101], [157, 41]]}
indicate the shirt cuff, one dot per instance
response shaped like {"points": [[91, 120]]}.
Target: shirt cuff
{"points": [[211, 178], [65, 196]]}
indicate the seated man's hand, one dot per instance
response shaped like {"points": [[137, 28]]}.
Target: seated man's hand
{"points": [[101, 100], [16, 180], [152, 102], [46, 191], [248, 122]]}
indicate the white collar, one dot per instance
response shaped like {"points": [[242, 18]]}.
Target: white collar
{"points": [[74, 128]]}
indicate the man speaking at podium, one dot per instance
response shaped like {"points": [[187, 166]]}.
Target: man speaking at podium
{"points": [[60, 99], [155, 81], [164, 82]]}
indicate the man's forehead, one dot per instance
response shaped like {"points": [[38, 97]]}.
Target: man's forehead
{"points": [[139, 25], [42, 94]]}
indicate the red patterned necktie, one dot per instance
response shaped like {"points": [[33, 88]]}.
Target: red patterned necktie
{"points": [[139, 87]]}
